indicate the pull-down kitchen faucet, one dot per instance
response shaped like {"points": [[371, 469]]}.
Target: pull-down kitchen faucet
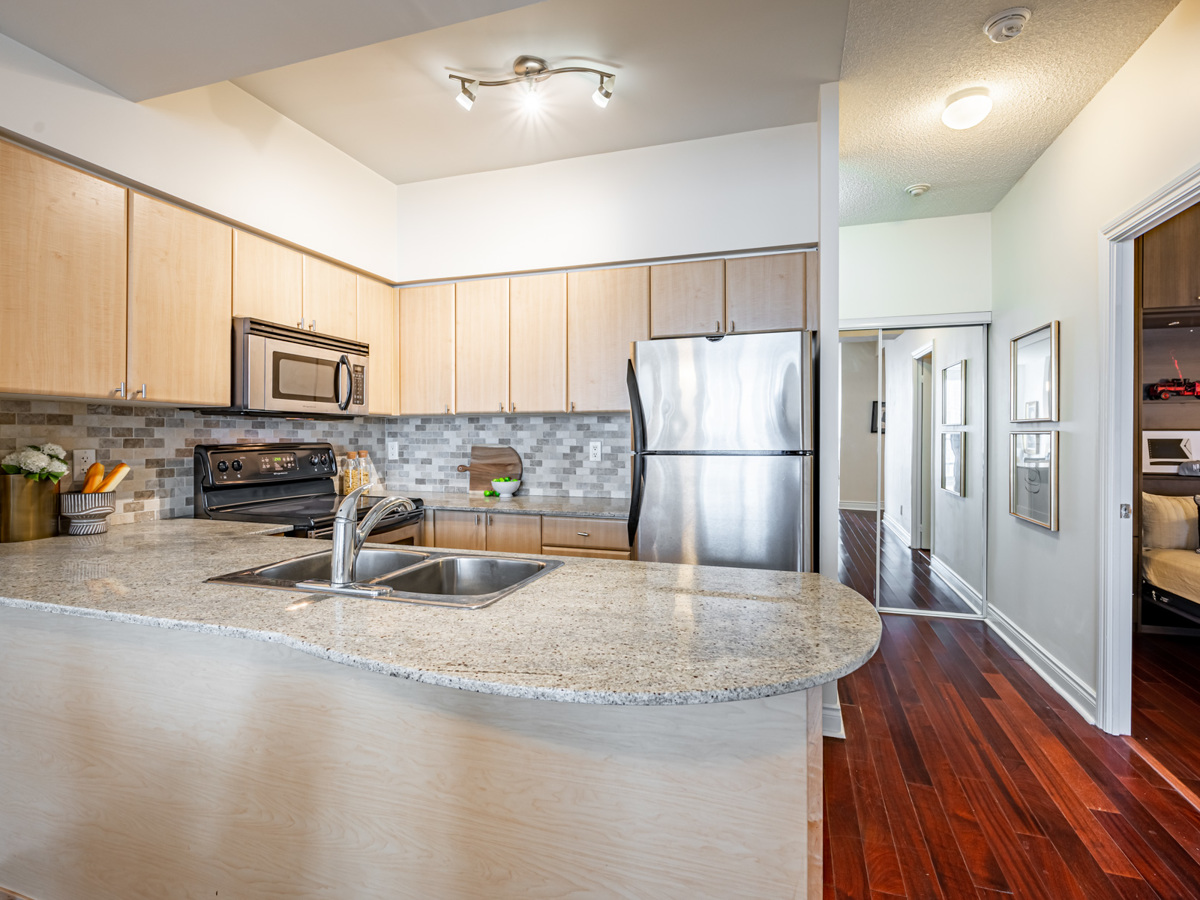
{"points": [[349, 536]]}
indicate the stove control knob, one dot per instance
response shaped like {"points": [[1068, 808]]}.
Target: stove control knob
{"points": [[314, 459], [324, 459], [237, 465], [222, 466]]}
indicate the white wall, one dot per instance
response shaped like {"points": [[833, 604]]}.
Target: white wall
{"points": [[739, 191], [1140, 132], [858, 462], [917, 267], [216, 147]]}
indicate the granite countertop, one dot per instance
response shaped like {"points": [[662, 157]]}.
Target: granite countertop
{"points": [[591, 631], [525, 504]]}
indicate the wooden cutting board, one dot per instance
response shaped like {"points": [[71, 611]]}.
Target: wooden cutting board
{"points": [[488, 462]]}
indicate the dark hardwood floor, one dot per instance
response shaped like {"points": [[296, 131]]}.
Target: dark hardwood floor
{"points": [[906, 579], [1166, 704], [963, 775]]}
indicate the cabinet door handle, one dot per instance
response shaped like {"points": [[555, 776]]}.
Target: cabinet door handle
{"points": [[312, 325], [120, 391], [141, 393], [501, 407], [489, 520], [300, 324], [572, 406], [732, 326], [717, 330], [583, 534], [512, 407], [476, 518], [447, 407]]}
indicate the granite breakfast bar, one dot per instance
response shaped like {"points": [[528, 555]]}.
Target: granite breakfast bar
{"points": [[611, 729]]}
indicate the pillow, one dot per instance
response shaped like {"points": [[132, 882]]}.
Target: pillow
{"points": [[1169, 523]]}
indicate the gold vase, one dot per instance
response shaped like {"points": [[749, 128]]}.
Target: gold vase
{"points": [[28, 509]]}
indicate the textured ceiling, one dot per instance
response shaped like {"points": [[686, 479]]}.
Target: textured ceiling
{"points": [[686, 69], [903, 59], [148, 48]]}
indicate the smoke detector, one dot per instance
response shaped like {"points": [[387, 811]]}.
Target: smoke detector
{"points": [[916, 190], [1004, 26]]}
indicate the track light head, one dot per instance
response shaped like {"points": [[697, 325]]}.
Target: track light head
{"points": [[603, 93], [465, 98]]}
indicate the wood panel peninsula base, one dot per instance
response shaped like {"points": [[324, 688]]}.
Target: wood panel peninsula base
{"points": [[181, 761]]}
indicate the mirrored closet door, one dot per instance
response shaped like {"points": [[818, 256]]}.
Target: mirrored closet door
{"points": [[914, 466]]}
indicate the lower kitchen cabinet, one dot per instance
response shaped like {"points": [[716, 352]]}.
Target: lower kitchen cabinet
{"points": [[511, 533], [579, 536], [495, 532], [459, 530]]}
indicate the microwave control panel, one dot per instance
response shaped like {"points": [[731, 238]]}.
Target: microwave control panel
{"points": [[360, 381]]}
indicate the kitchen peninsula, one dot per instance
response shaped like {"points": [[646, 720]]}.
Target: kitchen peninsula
{"points": [[149, 752]]}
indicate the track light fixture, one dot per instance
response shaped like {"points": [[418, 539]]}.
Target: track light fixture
{"points": [[530, 70]]}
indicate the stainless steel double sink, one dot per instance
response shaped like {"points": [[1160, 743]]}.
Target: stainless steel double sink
{"points": [[406, 576]]}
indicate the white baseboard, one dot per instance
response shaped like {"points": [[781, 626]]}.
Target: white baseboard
{"points": [[897, 529], [858, 505], [954, 581], [1053, 672], [831, 712]]}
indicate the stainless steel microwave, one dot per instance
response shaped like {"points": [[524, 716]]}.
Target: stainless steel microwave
{"points": [[282, 371]]}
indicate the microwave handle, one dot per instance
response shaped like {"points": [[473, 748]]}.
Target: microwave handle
{"points": [[337, 380]]}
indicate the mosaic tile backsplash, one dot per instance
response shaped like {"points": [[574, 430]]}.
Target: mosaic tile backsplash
{"points": [[157, 443]]}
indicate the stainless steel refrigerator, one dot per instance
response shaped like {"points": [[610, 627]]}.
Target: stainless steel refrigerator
{"points": [[723, 452]]}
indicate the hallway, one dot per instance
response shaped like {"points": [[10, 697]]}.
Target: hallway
{"points": [[964, 775]]}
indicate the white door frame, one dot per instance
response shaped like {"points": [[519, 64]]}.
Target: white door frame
{"points": [[1114, 686], [922, 531]]}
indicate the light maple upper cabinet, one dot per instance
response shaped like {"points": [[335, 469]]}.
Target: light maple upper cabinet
{"points": [[765, 293], [379, 326], [180, 301], [427, 350], [687, 298], [481, 346], [607, 309], [268, 280], [330, 299], [537, 343], [62, 279]]}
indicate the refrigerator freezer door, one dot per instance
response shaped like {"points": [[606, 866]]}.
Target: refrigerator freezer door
{"points": [[749, 511], [737, 394]]}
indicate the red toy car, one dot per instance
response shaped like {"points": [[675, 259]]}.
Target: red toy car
{"points": [[1168, 387]]}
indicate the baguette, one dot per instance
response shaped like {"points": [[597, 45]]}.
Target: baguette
{"points": [[120, 470], [95, 474]]}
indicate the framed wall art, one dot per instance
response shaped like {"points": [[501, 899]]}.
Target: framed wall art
{"points": [[1163, 452], [954, 395], [1033, 477], [952, 462], [1033, 371]]}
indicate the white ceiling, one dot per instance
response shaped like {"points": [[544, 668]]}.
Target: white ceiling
{"points": [[903, 59], [685, 69], [147, 48]]}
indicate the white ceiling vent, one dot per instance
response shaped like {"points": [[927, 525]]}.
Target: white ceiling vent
{"points": [[1004, 26], [917, 190]]}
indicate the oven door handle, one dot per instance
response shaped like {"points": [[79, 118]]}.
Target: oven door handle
{"points": [[337, 381]]}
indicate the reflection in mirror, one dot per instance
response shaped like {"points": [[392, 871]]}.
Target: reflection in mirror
{"points": [[862, 420], [930, 474]]}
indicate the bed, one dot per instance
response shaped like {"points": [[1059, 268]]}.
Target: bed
{"points": [[1170, 562]]}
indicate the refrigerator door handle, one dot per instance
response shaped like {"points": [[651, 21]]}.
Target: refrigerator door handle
{"points": [[638, 427], [635, 504]]}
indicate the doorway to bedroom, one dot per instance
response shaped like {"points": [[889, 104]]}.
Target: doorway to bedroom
{"points": [[1165, 720]]}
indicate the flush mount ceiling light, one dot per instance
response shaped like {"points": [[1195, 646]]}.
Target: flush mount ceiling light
{"points": [[530, 70], [966, 109]]}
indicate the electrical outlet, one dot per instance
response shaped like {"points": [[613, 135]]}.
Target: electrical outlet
{"points": [[81, 461], [597, 451], [393, 449]]}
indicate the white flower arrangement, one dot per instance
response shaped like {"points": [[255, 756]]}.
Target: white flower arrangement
{"points": [[44, 463]]}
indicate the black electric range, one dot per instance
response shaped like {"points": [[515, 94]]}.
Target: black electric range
{"points": [[283, 484]]}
